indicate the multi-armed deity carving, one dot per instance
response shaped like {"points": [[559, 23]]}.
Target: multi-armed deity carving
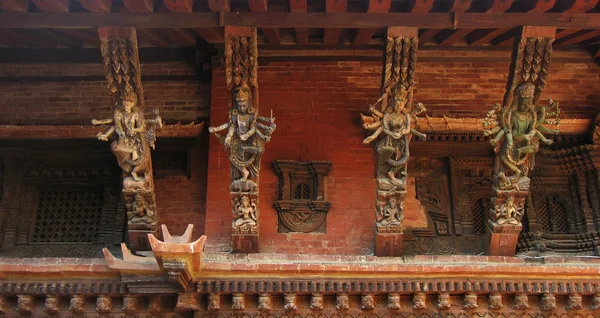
{"points": [[390, 123], [132, 134], [517, 128], [246, 131]]}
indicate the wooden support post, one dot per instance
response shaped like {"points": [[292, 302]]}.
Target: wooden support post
{"points": [[246, 134], [510, 126], [131, 148], [397, 86]]}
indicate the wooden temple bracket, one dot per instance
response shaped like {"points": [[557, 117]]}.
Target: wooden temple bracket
{"points": [[131, 134], [175, 258], [517, 127], [389, 126], [244, 135]]}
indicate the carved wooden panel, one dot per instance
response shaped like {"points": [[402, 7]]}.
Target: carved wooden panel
{"points": [[302, 205]]}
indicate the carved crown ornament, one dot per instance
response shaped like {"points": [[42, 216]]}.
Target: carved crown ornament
{"points": [[301, 206]]}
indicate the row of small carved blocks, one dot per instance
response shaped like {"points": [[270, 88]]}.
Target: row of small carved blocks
{"points": [[78, 304]]}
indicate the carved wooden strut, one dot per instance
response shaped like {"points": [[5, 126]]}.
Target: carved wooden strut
{"points": [[389, 123], [516, 128], [247, 134], [134, 133]]}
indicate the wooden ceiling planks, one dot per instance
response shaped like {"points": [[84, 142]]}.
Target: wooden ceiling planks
{"points": [[579, 37], [363, 36], [272, 34], [301, 33], [581, 6], [210, 35]]}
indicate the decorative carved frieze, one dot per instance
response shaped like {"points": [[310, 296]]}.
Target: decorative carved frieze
{"points": [[547, 301], [574, 302], [214, 302], [134, 133], [238, 302], [25, 304], [517, 127], [302, 205], [247, 134]]}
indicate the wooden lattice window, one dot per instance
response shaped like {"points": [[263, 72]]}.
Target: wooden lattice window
{"points": [[479, 211], [68, 217], [302, 192], [552, 216]]}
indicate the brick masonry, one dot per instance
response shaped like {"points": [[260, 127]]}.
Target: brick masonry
{"points": [[317, 106]]}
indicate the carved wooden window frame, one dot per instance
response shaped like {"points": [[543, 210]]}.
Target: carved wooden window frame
{"points": [[306, 214]]}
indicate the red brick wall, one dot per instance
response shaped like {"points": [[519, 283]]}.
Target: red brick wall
{"points": [[182, 200], [317, 106], [43, 102]]}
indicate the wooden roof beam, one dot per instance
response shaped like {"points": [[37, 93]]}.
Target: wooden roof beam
{"points": [[179, 5], [97, 5], [271, 33], [14, 5], [483, 37], [210, 35], [586, 35], [153, 38], [146, 6], [581, 6], [364, 35], [448, 20], [421, 6], [301, 33], [218, 5], [450, 37], [506, 36], [52, 5], [332, 36], [82, 35]]}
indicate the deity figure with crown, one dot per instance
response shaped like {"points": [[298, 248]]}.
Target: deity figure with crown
{"points": [[135, 137], [246, 135], [516, 130], [392, 131]]}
